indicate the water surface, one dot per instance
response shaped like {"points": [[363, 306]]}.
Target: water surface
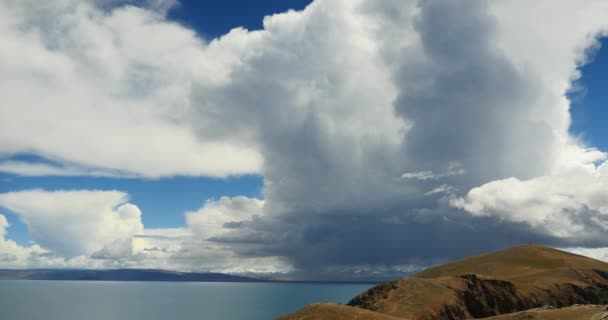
{"points": [[100, 300]]}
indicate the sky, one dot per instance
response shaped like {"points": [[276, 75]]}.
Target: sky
{"points": [[307, 140]]}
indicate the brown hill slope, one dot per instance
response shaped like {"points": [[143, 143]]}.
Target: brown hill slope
{"points": [[330, 311], [515, 279], [516, 263]]}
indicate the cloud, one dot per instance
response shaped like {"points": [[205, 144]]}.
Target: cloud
{"points": [[12, 255], [393, 133], [105, 96], [595, 253], [350, 95], [453, 170], [3, 225], [32, 169], [571, 205], [444, 188], [100, 229], [73, 223], [225, 214], [182, 249]]}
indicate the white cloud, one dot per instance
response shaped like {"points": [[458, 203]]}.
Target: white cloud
{"points": [[595, 253], [209, 256], [225, 214], [420, 175], [453, 170], [100, 229], [73, 223], [12, 255], [571, 204], [3, 225], [24, 168], [182, 249], [105, 95], [444, 188]]}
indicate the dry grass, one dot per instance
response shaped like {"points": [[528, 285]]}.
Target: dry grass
{"points": [[521, 262], [330, 311], [582, 312], [529, 267]]}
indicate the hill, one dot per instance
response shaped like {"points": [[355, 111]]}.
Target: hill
{"points": [[516, 263], [504, 282], [335, 312], [118, 275]]}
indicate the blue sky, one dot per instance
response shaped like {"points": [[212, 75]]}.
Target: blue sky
{"points": [[589, 109], [324, 146], [214, 18]]}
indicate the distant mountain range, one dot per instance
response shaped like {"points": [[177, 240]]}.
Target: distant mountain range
{"points": [[523, 282], [119, 275]]}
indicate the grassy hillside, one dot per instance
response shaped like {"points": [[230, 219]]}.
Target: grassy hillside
{"points": [[330, 311], [516, 264], [504, 282]]}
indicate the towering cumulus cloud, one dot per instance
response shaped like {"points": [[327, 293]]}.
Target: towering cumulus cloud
{"points": [[75, 222], [389, 134], [382, 115]]}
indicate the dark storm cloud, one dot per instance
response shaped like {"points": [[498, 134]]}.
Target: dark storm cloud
{"points": [[325, 246], [335, 199], [466, 100]]}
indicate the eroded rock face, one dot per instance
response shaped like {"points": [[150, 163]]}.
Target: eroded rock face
{"points": [[484, 298], [463, 297], [490, 297], [367, 298]]}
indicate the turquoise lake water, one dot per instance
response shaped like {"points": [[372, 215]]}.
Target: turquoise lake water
{"points": [[96, 300]]}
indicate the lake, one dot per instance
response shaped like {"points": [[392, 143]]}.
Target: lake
{"points": [[100, 300]]}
